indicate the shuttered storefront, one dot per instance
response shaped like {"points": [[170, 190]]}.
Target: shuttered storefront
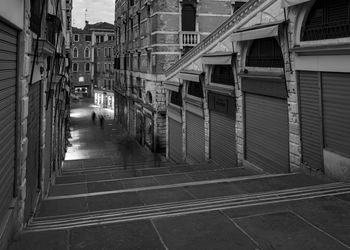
{"points": [[336, 112], [48, 146], [266, 128], [195, 143], [8, 72], [311, 119], [33, 158], [222, 139], [175, 140]]}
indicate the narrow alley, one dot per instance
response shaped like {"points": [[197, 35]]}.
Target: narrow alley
{"points": [[114, 194]]}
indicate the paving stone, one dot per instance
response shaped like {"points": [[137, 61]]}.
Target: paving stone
{"points": [[140, 182], [129, 235], [104, 186], [214, 190], [205, 175], [48, 240], [98, 176], [286, 231], [70, 179], [328, 213], [202, 231], [62, 207], [113, 201], [173, 179], [255, 210], [164, 196], [60, 190], [235, 172]]}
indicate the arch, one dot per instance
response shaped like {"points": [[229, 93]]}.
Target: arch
{"points": [[149, 98], [265, 52], [75, 67], [188, 15], [327, 19], [75, 52], [87, 52]]}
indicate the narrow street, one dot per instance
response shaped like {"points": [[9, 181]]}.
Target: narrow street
{"points": [[114, 194]]}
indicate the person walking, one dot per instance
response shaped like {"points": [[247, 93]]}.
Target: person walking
{"points": [[102, 119], [93, 117]]}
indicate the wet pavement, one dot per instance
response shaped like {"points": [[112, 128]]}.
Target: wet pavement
{"points": [[108, 197]]}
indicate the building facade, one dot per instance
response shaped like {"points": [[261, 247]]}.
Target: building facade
{"points": [[34, 104], [104, 74], [269, 89], [83, 53], [150, 37]]}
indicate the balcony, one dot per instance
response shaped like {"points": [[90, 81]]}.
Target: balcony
{"points": [[189, 38]]}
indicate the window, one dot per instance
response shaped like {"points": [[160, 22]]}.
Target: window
{"points": [[76, 38], [81, 79], [265, 53], [176, 97], [188, 17], [98, 68], [75, 52], [328, 19], [149, 98], [87, 52], [222, 74], [132, 2], [106, 52], [139, 61], [87, 67], [195, 89], [98, 52], [75, 67], [105, 67], [88, 38], [237, 5], [35, 9], [109, 52]]}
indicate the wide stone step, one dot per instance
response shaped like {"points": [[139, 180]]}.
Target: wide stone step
{"points": [[187, 207], [142, 178], [72, 205]]}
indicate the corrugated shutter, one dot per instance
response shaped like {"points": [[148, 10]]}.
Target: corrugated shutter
{"points": [[33, 158], [311, 119], [8, 71], [48, 146], [195, 137], [175, 140], [267, 136], [336, 112], [222, 139]]}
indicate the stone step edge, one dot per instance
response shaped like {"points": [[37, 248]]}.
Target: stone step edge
{"points": [[180, 210]]}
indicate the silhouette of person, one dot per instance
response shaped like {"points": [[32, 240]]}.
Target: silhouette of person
{"points": [[101, 121], [93, 117]]}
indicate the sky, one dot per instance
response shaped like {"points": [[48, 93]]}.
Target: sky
{"points": [[97, 11]]}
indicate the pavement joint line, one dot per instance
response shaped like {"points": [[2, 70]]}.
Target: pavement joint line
{"points": [[137, 177], [160, 214], [159, 235], [196, 183], [170, 205], [239, 228], [319, 229]]}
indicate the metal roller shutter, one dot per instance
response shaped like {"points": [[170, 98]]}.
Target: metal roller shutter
{"points": [[195, 137], [222, 139], [311, 119], [175, 140], [267, 137], [33, 158], [8, 72], [336, 112]]}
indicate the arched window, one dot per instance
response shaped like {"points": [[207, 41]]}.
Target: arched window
{"points": [[75, 67], [265, 53], [87, 67], [75, 52], [328, 19], [149, 98], [87, 52], [188, 17]]}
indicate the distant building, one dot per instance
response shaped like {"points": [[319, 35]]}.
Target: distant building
{"points": [[104, 74], [83, 54], [150, 37]]}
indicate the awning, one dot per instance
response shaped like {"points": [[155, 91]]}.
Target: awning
{"points": [[190, 75], [173, 86], [256, 33], [287, 3], [219, 58]]}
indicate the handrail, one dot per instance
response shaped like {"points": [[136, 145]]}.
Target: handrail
{"points": [[222, 29]]}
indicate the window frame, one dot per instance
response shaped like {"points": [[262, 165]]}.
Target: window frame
{"points": [[85, 67]]}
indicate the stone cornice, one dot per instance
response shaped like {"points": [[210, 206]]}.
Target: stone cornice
{"points": [[216, 34]]}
